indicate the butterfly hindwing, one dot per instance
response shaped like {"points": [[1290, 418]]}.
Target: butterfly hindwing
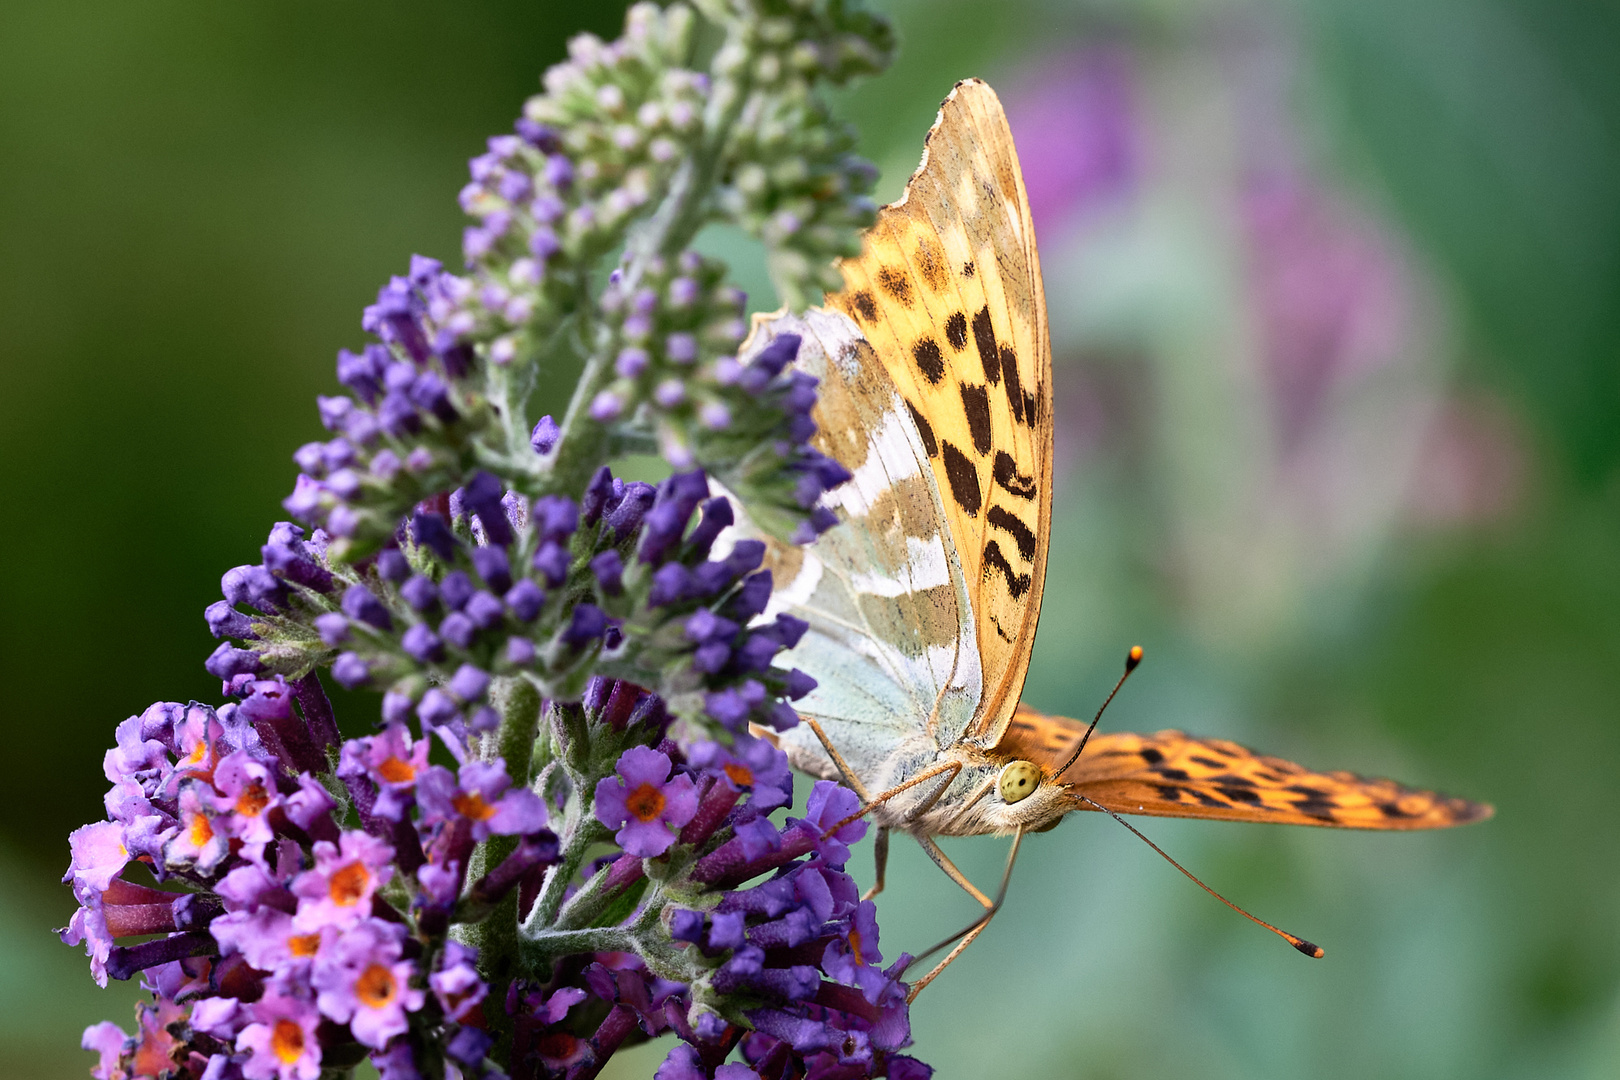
{"points": [[948, 292], [1174, 775], [890, 640]]}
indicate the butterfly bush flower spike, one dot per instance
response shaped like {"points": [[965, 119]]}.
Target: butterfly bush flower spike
{"points": [[556, 833]]}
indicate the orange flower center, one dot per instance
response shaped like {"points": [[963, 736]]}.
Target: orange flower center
{"points": [[472, 805], [557, 1046], [396, 771], [304, 944], [855, 947], [287, 1040], [646, 802], [741, 775], [376, 986], [348, 885], [202, 830], [251, 803]]}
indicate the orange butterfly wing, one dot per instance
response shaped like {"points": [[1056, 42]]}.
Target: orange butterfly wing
{"points": [[947, 290], [1170, 774]]}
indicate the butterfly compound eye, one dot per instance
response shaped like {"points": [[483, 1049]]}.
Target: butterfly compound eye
{"points": [[1019, 781]]}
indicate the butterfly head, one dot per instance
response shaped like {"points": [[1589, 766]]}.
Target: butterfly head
{"points": [[1018, 781], [1021, 779], [998, 795]]}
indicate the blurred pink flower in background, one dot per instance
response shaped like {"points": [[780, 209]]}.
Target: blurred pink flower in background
{"points": [[1252, 346], [1073, 118], [1474, 468], [1331, 294]]}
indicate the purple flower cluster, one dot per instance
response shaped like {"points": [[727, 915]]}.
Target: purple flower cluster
{"points": [[567, 662], [299, 939], [410, 417], [792, 961], [589, 157], [771, 410], [1080, 135], [623, 576]]}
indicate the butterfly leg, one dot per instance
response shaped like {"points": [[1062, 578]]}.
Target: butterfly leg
{"points": [[880, 855], [880, 846], [951, 767], [868, 800], [975, 928], [850, 778]]}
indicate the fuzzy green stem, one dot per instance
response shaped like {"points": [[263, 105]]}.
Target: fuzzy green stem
{"points": [[585, 905], [539, 952], [508, 388], [518, 702], [585, 832]]}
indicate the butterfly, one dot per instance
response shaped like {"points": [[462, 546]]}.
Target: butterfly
{"points": [[936, 394]]}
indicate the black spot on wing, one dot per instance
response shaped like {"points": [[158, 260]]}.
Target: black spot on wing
{"points": [[1010, 524], [863, 304], [1032, 408], [1391, 810], [929, 361], [1208, 763], [1150, 755], [896, 284], [1316, 803], [1006, 473], [1017, 584], [1240, 794], [984, 335], [956, 331], [1168, 791], [964, 479], [924, 429], [967, 269], [1009, 371], [976, 404], [1173, 774]]}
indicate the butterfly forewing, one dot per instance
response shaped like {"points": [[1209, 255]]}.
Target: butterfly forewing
{"points": [[1174, 775], [948, 292]]}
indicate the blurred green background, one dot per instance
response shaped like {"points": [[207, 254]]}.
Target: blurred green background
{"points": [[1335, 295]]}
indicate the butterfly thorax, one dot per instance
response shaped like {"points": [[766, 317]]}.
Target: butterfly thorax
{"points": [[958, 802]]}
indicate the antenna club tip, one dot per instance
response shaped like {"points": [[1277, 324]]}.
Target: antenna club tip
{"points": [[1315, 952], [1133, 658]]}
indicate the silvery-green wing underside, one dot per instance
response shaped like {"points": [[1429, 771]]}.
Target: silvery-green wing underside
{"points": [[891, 642]]}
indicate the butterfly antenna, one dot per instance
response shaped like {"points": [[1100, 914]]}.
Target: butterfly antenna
{"points": [[1132, 658], [1309, 949]]}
